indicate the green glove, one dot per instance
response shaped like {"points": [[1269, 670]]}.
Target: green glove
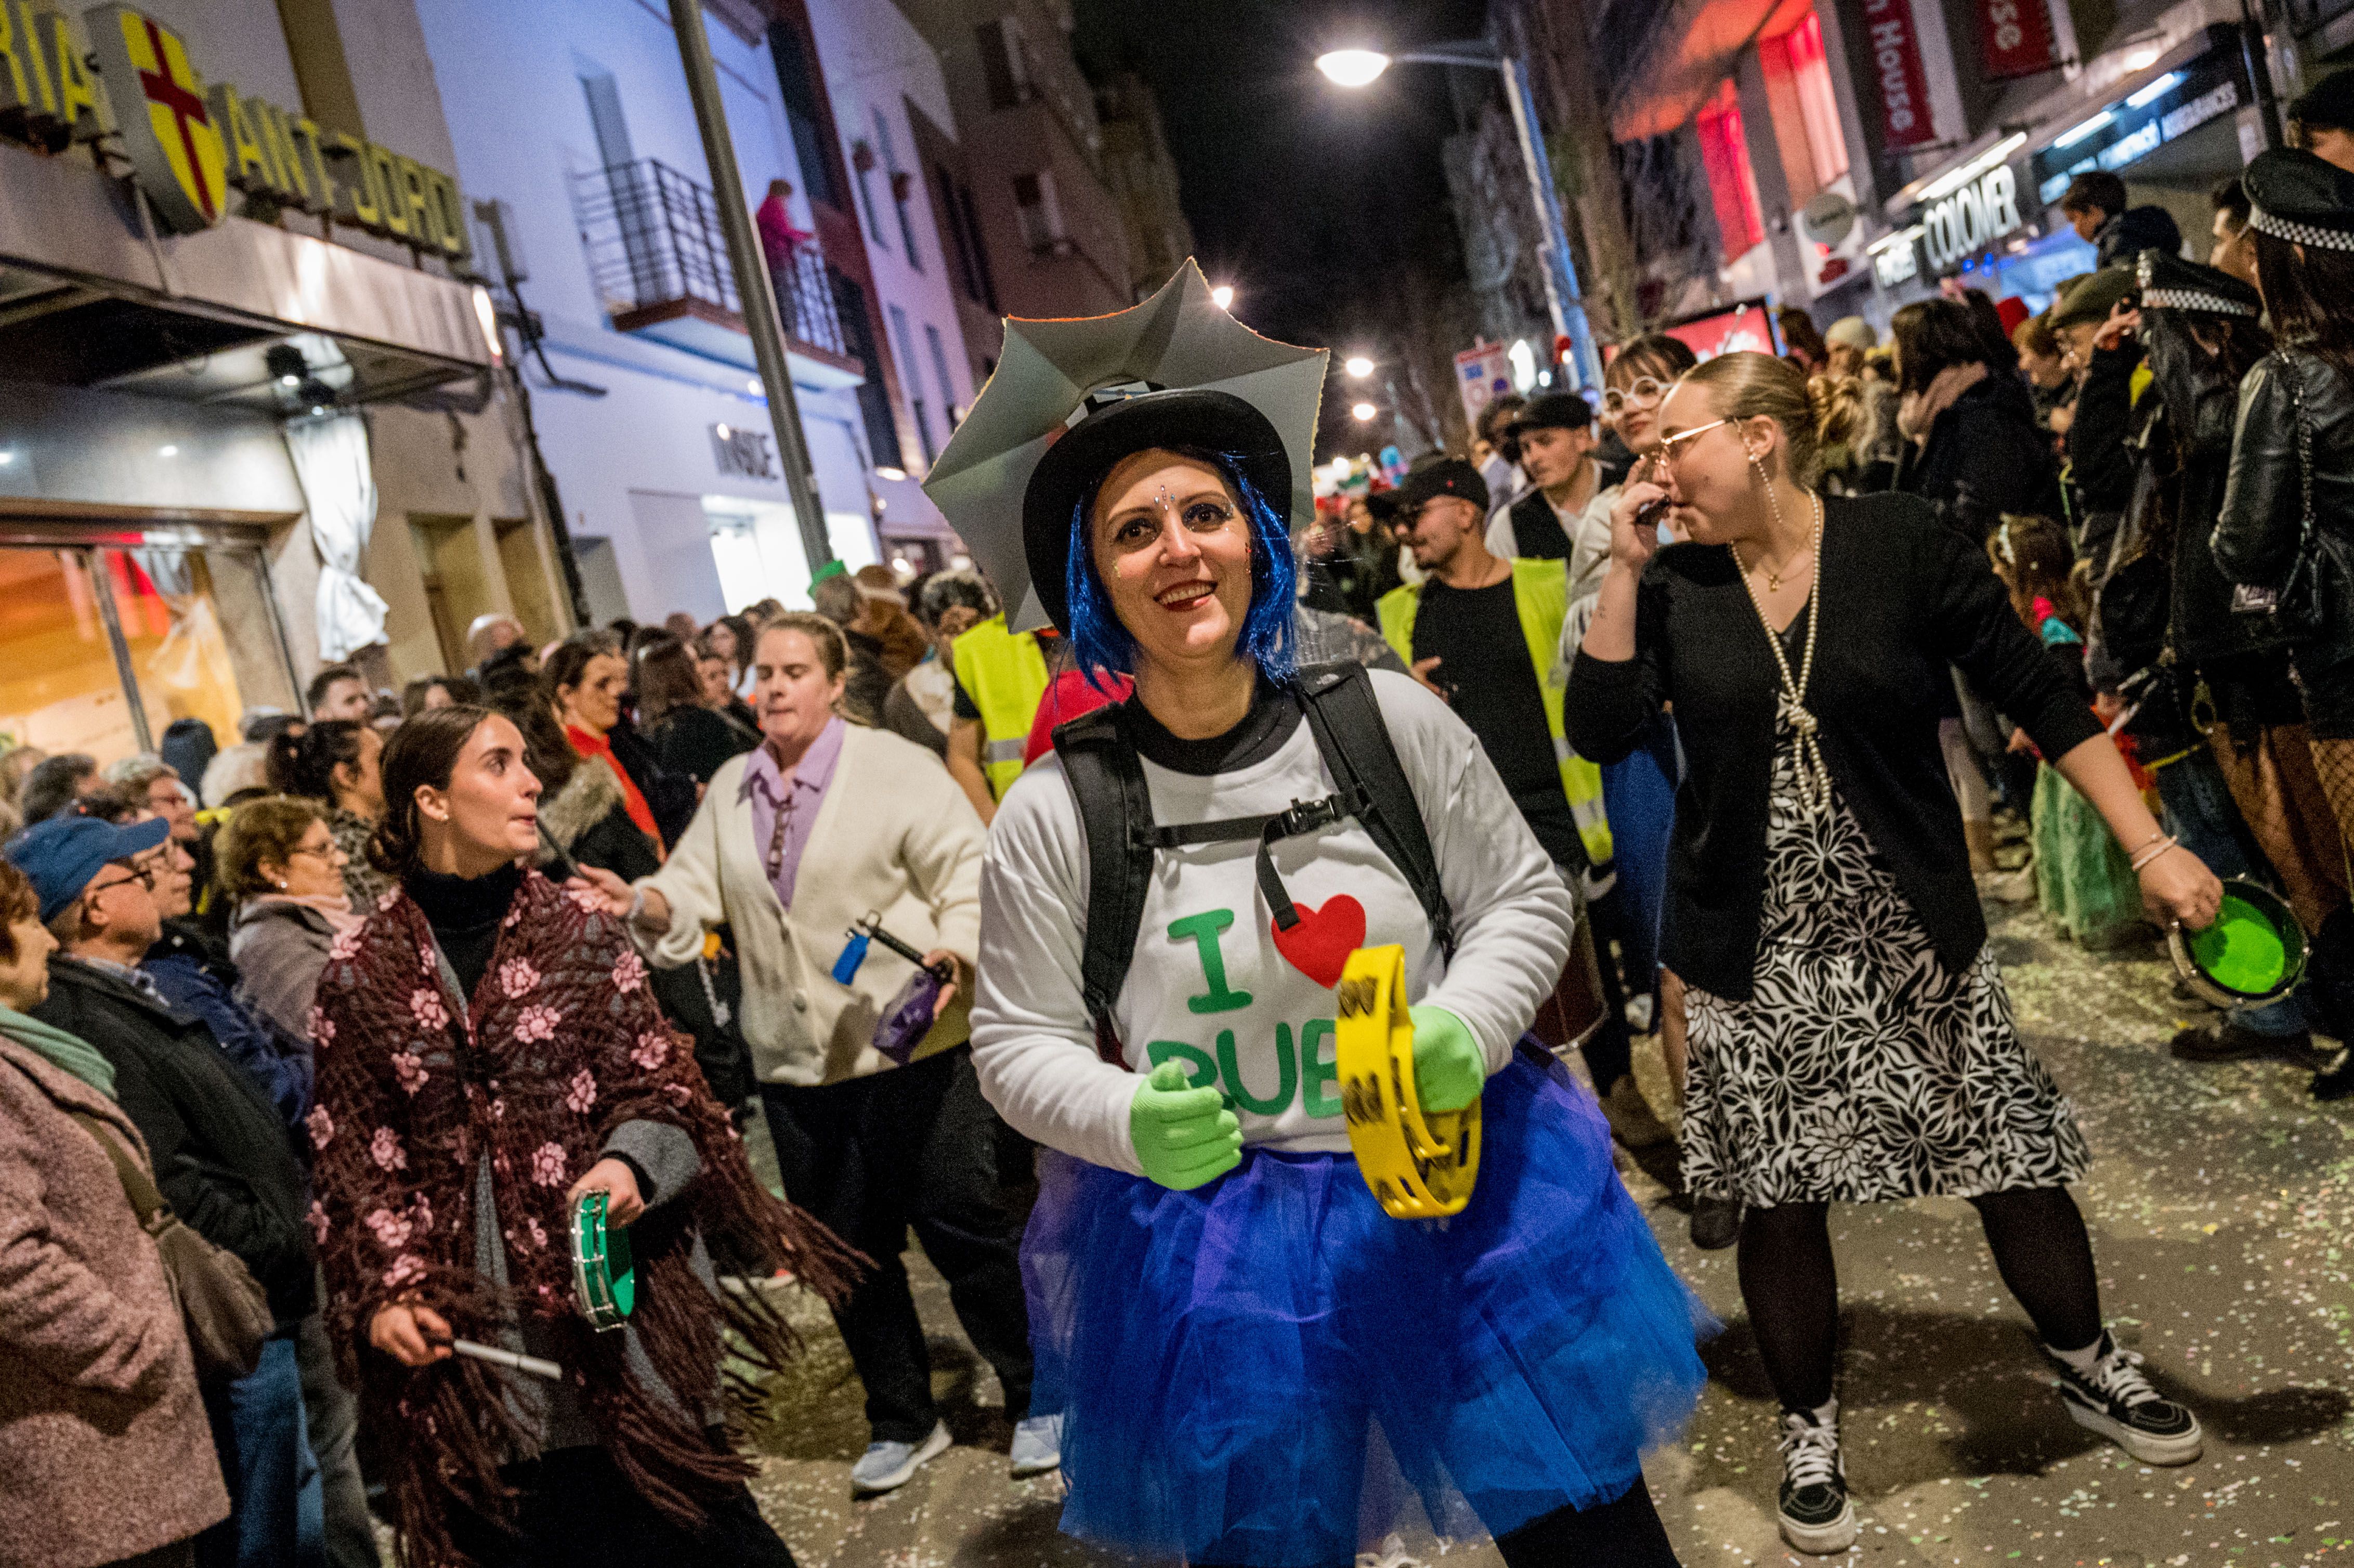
{"points": [[1183, 1137], [1448, 1068]]}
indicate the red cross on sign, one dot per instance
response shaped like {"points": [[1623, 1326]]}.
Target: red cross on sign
{"points": [[174, 148]]}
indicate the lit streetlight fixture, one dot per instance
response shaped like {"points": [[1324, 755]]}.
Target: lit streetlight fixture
{"points": [[1223, 296], [1358, 366], [1353, 68], [1365, 412], [1362, 68]]}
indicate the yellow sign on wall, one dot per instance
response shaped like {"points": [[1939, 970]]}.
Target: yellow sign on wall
{"points": [[191, 144]]}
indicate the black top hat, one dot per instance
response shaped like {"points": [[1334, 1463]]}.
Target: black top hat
{"points": [[2327, 105], [1191, 418], [2296, 196], [2170, 283]]}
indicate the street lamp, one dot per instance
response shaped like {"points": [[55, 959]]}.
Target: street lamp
{"points": [[1223, 296], [1358, 366], [1353, 68], [1365, 411], [1362, 68]]}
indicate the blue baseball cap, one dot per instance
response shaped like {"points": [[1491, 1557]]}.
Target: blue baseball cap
{"points": [[62, 855]]}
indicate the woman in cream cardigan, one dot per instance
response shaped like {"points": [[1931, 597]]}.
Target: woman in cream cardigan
{"points": [[827, 823]]}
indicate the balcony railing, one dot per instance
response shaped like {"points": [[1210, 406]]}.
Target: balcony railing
{"points": [[657, 253]]}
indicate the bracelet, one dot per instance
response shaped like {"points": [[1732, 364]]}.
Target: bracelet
{"points": [[2153, 838], [2154, 851]]}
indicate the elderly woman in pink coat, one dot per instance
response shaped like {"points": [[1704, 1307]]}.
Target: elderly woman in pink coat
{"points": [[105, 1454]]}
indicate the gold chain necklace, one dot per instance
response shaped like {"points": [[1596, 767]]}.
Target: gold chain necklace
{"points": [[1814, 778]]}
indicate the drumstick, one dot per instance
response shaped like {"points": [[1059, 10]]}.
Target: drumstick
{"points": [[512, 1359]]}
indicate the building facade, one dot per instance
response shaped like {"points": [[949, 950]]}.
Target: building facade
{"points": [[574, 118], [1051, 226], [253, 411]]}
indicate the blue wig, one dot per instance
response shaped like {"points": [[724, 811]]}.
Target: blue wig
{"points": [[1102, 644]]}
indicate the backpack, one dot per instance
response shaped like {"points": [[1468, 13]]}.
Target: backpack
{"points": [[1106, 781]]}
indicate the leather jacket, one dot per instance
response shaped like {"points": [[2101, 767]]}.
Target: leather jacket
{"points": [[2261, 518]]}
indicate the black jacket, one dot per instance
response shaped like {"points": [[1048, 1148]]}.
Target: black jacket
{"points": [[1537, 534], [696, 741], [1902, 598], [2255, 538], [2135, 230], [1983, 457], [223, 1158]]}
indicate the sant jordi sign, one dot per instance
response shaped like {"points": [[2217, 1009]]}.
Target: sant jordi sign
{"points": [[191, 142]]}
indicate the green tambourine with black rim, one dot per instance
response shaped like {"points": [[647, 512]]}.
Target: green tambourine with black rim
{"points": [[604, 1276]]}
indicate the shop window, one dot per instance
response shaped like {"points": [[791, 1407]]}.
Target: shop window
{"points": [[1794, 63], [1724, 154], [60, 688], [199, 634]]}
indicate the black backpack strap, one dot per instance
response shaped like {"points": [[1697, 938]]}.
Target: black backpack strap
{"points": [[1355, 744], [1106, 781]]}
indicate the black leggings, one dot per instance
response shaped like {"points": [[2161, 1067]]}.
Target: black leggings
{"points": [[1624, 1532], [1790, 1283]]}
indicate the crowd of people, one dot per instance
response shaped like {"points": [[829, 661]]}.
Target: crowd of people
{"points": [[1710, 709]]}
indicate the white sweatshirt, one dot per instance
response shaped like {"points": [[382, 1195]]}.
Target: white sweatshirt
{"points": [[1209, 987]]}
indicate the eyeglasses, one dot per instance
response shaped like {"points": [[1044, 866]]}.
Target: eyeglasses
{"points": [[144, 878], [1645, 391], [326, 852], [1672, 446]]}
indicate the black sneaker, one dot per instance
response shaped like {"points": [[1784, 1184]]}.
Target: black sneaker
{"points": [[1715, 1221], [1816, 1515], [2117, 1402]]}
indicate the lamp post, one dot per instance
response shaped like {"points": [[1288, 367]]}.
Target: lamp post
{"points": [[761, 318], [1360, 68]]}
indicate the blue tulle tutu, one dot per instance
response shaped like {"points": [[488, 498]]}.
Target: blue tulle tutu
{"points": [[1269, 1370]]}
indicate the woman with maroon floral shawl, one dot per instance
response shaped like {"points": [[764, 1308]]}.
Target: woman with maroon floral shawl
{"points": [[488, 1051]]}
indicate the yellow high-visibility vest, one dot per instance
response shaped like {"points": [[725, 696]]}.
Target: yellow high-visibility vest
{"points": [[1005, 674], [1540, 593]]}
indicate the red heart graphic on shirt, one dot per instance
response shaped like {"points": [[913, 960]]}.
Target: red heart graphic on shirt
{"points": [[1319, 946]]}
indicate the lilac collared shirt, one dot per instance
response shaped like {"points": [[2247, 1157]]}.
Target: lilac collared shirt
{"points": [[767, 792]]}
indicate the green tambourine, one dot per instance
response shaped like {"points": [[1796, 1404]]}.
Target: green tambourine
{"points": [[604, 1276]]}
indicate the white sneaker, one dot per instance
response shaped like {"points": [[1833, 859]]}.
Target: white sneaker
{"points": [[887, 1465], [1037, 1446]]}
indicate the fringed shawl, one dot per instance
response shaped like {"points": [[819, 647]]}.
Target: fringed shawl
{"points": [[561, 1044]]}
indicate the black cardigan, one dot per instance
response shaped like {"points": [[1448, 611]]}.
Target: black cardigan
{"points": [[1902, 597]]}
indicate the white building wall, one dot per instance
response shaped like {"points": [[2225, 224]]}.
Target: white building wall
{"points": [[511, 81], [875, 62]]}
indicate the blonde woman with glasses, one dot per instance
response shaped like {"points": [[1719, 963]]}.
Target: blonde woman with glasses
{"points": [[1850, 1039]]}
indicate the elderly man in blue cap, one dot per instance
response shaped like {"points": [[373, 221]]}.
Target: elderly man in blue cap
{"points": [[224, 1158]]}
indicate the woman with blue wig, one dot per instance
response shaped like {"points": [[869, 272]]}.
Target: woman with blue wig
{"points": [[1256, 1365]]}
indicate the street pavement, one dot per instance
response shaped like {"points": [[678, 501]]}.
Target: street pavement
{"points": [[2222, 1205]]}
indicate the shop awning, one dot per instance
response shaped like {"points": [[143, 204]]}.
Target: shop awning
{"points": [[1684, 48], [90, 296]]}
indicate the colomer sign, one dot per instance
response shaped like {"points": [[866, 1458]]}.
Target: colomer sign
{"points": [[190, 144]]}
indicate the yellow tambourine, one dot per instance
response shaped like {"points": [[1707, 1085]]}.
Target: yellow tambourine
{"points": [[1420, 1167]]}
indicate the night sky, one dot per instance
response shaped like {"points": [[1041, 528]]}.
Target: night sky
{"points": [[1308, 198]]}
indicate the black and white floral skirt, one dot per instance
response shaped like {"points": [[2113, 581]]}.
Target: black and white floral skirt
{"points": [[1862, 1068]]}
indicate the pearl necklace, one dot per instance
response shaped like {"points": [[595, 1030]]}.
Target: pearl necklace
{"points": [[1790, 703]]}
